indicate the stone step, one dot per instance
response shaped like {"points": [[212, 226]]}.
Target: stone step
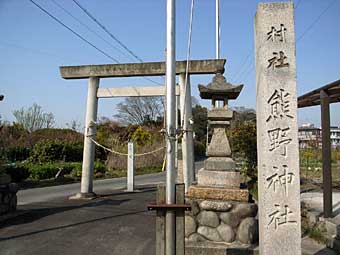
{"points": [[333, 228]]}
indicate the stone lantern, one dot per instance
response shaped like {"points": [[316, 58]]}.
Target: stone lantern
{"points": [[221, 210], [219, 169]]}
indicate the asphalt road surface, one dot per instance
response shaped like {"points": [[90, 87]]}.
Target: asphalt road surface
{"points": [[47, 193]]}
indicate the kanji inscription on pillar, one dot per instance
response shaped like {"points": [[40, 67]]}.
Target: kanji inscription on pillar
{"points": [[278, 155]]}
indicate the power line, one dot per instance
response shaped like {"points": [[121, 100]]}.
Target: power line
{"points": [[297, 4], [303, 34], [89, 29], [75, 33], [114, 38], [46, 53], [316, 20], [107, 31], [242, 65]]}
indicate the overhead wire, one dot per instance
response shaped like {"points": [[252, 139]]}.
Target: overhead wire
{"points": [[315, 21], [297, 4], [303, 33], [74, 32], [41, 52], [107, 31], [113, 37], [90, 29], [240, 69]]}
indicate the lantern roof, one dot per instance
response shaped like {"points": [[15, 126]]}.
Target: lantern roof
{"points": [[219, 88]]}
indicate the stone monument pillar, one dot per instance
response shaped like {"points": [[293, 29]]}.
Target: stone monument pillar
{"points": [[277, 130], [221, 211]]}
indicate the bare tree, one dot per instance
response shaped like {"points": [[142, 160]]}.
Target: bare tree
{"points": [[140, 110], [34, 118], [75, 125]]}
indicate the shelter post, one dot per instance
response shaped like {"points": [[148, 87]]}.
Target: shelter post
{"points": [[326, 155]]}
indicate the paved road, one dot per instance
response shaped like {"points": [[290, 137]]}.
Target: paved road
{"points": [[47, 193], [114, 223]]}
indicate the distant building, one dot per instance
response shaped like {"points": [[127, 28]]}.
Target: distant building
{"points": [[335, 137], [309, 136]]}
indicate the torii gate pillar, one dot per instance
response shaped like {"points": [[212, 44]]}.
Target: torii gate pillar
{"points": [[86, 189]]}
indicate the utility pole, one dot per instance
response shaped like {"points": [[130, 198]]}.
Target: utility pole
{"points": [[218, 29], [218, 103], [170, 223]]}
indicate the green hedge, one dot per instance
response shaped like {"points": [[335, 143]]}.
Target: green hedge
{"points": [[49, 151], [44, 171], [13, 154], [98, 168], [20, 172]]}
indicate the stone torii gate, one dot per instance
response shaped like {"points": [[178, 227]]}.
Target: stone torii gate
{"points": [[95, 72]]}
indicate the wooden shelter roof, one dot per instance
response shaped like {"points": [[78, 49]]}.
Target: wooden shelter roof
{"points": [[313, 97]]}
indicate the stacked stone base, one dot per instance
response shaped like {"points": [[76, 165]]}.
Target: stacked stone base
{"points": [[8, 197], [221, 221]]}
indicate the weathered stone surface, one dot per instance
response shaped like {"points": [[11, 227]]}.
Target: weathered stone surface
{"points": [[209, 233], [212, 193], [219, 164], [226, 232], [230, 218], [277, 130], [226, 179], [244, 210], [219, 145], [141, 69], [248, 231], [196, 238], [195, 209], [190, 225], [220, 114], [208, 218], [219, 206]]}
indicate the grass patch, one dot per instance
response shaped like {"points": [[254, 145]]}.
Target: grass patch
{"points": [[139, 171], [316, 231]]}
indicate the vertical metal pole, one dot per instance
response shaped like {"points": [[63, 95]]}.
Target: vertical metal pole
{"points": [[187, 140], [326, 155], [218, 29], [131, 168], [90, 131], [170, 233], [176, 143], [218, 32]]}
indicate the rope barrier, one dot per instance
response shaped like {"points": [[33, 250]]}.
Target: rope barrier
{"points": [[124, 154]]}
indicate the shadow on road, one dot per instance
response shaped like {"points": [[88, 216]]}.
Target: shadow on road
{"points": [[70, 225]]}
